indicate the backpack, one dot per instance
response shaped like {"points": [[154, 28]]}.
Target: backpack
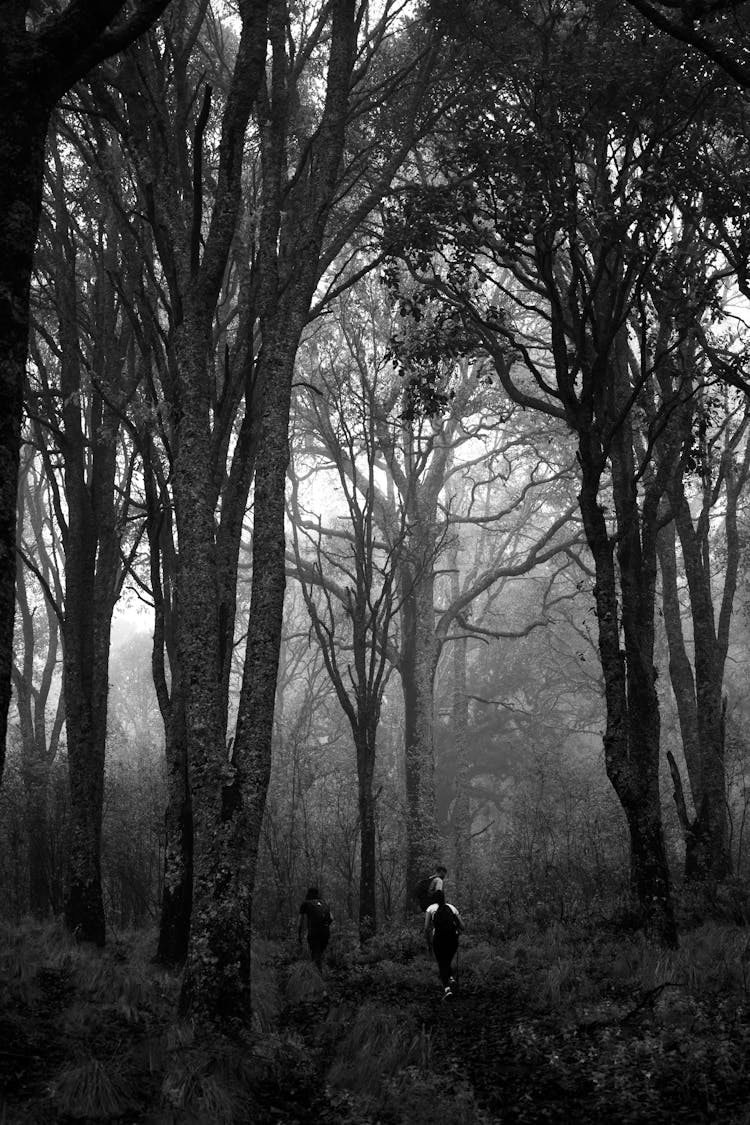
{"points": [[444, 920], [318, 914], [422, 893]]}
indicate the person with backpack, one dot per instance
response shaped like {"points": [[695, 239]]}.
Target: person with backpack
{"points": [[426, 890], [442, 925], [319, 922]]}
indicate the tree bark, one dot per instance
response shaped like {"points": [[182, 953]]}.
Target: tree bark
{"points": [[24, 118], [417, 666], [631, 739], [215, 949], [177, 895], [462, 805], [707, 852], [368, 920]]}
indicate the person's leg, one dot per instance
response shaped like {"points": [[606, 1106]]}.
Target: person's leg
{"points": [[318, 940], [316, 952], [323, 937], [444, 951]]}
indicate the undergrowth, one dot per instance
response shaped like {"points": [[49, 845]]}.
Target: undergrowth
{"points": [[551, 1022]]}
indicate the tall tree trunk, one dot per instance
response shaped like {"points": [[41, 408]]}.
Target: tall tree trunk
{"points": [[703, 859], [207, 923], [217, 978], [460, 733], [708, 839], [36, 785], [34, 762], [23, 129], [177, 895], [680, 668], [218, 956], [252, 745], [35, 769], [631, 740], [84, 906], [417, 666], [365, 771], [92, 582]]}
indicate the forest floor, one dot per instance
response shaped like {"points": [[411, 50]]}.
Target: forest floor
{"points": [[559, 1024]]}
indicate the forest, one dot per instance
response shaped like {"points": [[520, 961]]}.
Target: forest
{"points": [[374, 496]]}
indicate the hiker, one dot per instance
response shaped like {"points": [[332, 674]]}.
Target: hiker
{"points": [[318, 925], [437, 883], [427, 888], [442, 925]]}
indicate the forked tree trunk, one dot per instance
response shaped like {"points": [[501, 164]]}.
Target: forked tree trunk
{"points": [[93, 577], [707, 851], [631, 740], [216, 986], [705, 830]]}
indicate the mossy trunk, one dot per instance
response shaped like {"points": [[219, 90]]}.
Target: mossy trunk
{"points": [[218, 954]]}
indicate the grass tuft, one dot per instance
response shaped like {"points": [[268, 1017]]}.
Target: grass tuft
{"points": [[92, 1089], [304, 984], [206, 1083], [380, 1043]]}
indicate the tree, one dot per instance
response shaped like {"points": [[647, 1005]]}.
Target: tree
{"points": [[717, 29], [415, 460], [187, 251], [35, 674], [348, 574], [323, 169], [84, 371], [698, 685], [241, 235], [513, 686], [39, 61], [557, 232], [693, 292]]}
